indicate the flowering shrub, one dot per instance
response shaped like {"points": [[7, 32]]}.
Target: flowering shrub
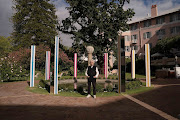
{"points": [[10, 70], [17, 64]]}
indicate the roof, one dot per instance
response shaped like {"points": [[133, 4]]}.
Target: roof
{"points": [[163, 13]]}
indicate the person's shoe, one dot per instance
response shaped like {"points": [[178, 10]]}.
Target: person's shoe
{"points": [[88, 96], [94, 96]]}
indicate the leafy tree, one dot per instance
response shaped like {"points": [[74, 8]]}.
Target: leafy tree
{"points": [[5, 45], [96, 23], [165, 45], [34, 23]]}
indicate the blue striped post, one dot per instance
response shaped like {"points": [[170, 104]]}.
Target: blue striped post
{"points": [[56, 55], [32, 66], [47, 67]]}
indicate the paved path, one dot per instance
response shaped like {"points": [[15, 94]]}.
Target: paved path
{"points": [[16, 103]]}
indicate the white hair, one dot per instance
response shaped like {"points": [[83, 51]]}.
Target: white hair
{"points": [[91, 60]]}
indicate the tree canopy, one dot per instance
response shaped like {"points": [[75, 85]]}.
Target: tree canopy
{"points": [[34, 22], [165, 46], [5, 45], [96, 23]]}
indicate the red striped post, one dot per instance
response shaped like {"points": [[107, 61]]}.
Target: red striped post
{"points": [[75, 71], [75, 65], [106, 65]]}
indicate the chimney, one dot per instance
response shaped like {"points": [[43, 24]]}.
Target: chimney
{"points": [[154, 11]]}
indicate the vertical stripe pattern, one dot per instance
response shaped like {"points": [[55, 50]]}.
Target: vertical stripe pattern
{"points": [[106, 65], [119, 64], [147, 62], [75, 65], [133, 64], [56, 55], [47, 68], [32, 66]]}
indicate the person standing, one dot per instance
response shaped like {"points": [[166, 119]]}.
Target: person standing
{"points": [[92, 73]]}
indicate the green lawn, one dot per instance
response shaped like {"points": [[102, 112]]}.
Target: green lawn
{"points": [[138, 90], [99, 94], [128, 76]]}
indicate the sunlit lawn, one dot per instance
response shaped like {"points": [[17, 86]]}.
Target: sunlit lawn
{"points": [[99, 94]]}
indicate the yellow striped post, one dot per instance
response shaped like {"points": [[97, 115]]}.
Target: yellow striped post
{"points": [[147, 62], [133, 64]]}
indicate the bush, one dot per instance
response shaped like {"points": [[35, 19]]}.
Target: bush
{"points": [[44, 84], [133, 84], [81, 87], [70, 77], [109, 88], [99, 77], [66, 87], [99, 87], [11, 70]]}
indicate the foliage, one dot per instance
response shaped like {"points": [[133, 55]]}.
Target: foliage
{"points": [[94, 22], [23, 55], [165, 45], [5, 45], [64, 61], [138, 90], [140, 67], [109, 88], [11, 70], [34, 23], [133, 84]]}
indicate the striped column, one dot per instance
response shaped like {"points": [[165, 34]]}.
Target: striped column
{"points": [[32, 66], [56, 55], [133, 64], [47, 68], [75, 65], [147, 62], [106, 65]]}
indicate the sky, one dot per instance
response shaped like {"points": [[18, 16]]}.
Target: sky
{"points": [[141, 8]]}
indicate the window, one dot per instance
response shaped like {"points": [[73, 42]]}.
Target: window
{"points": [[175, 30], [160, 20], [175, 17], [133, 26], [127, 48], [160, 32], [134, 38], [147, 23], [147, 35], [127, 38]]}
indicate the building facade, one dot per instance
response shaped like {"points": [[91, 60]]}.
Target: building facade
{"points": [[151, 29]]}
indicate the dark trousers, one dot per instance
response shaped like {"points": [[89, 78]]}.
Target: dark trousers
{"points": [[93, 81]]}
